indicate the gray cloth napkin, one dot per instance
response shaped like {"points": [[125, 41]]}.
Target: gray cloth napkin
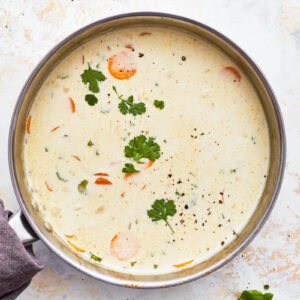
{"points": [[17, 263]]}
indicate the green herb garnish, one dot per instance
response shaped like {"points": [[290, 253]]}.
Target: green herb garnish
{"points": [[155, 266], [266, 287], [95, 257], [159, 104], [127, 106], [90, 143], [82, 186], [60, 178], [129, 168], [91, 99], [255, 295], [140, 147], [92, 77], [161, 209], [132, 263]]}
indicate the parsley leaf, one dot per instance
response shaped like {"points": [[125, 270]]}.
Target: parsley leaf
{"points": [[159, 104], [91, 99], [91, 77], [255, 295], [129, 168], [82, 186], [95, 257], [127, 106], [139, 147], [161, 209], [132, 263]]}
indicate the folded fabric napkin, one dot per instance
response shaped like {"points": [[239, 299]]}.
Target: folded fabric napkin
{"points": [[17, 263]]}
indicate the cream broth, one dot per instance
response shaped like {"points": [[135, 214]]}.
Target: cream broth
{"points": [[213, 151]]}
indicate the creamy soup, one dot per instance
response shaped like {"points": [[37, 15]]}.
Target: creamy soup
{"points": [[146, 150]]}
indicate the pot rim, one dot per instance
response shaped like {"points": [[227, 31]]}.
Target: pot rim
{"points": [[161, 283]]}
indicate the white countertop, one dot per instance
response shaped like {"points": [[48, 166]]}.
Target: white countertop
{"points": [[269, 31]]}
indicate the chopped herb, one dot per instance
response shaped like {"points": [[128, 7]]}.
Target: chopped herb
{"points": [[127, 106], [82, 186], [155, 266], [95, 257], [159, 104], [161, 209], [46, 149], [92, 77], [91, 99], [90, 143], [60, 178], [129, 168], [233, 171], [62, 76], [266, 287], [132, 263], [140, 147], [255, 295]]}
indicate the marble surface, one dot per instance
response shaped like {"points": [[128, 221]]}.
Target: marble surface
{"points": [[269, 31]]}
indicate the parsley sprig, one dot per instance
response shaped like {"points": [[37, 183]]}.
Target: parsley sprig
{"points": [[255, 295], [92, 77], [127, 106], [129, 168], [161, 209], [140, 147]]}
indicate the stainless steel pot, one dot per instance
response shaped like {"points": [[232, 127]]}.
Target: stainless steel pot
{"points": [[28, 233]]}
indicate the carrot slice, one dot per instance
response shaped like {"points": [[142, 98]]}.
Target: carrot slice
{"points": [[121, 65], [127, 175], [129, 46], [183, 264], [145, 33], [234, 72], [55, 128], [75, 247], [76, 157], [49, 188], [124, 246], [72, 105], [101, 174], [28, 124], [149, 164], [103, 181]]}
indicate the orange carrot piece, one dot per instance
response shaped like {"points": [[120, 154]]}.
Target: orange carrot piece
{"points": [[72, 105], [76, 157], [55, 128], [75, 247], [103, 181], [121, 65], [49, 188], [233, 71], [145, 33], [149, 164], [129, 46], [28, 125], [124, 246], [183, 264], [123, 194], [101, 174], [127, 175]]}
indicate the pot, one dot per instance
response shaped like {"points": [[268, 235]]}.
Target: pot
{"points": [[28, 223]]}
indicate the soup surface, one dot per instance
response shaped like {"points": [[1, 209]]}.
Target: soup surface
{"points": [[146, 150]]}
